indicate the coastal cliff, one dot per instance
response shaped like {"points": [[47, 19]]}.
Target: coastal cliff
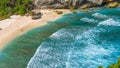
{"points": [[58, 4], [21, 7], [103, 40]]}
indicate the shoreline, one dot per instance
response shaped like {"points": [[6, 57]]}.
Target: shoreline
{"points": [[23, 24]]}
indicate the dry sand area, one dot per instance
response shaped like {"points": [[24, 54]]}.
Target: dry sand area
{"points": [[16, 25]]}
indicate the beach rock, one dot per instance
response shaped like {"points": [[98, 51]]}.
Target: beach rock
{"points": [[59, 12], [0, 28], [36, 15]]}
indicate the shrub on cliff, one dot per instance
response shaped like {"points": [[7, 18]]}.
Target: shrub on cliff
{"points": [[113, 65], [9, 7], [116, 65]]}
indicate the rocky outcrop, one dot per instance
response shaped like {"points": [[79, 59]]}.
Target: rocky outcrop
{"points": [[58, 4], [99, 2], [36, 15], [0, 28], [63, 3]]}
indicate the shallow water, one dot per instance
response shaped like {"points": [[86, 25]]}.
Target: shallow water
{"points": [[75, 40]]}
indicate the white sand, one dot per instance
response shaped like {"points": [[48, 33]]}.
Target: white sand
{"points": [[17, 25]]}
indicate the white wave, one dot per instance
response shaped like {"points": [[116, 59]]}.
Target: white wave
{"points": [[56, 54], [110, 22], [85, 19], [68, 58], [96, 50], [98, 15]]}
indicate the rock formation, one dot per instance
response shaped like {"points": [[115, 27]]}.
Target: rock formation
{"points": [[67, 3], [63, 3], [99, 2], [36, 15]]}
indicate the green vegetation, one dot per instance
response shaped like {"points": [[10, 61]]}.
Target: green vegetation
{"points": [[116, 65], [113, 65], [9, 7], [100, 66]]}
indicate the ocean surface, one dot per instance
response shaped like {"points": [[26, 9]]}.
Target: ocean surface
{"points": [[83, 39]]}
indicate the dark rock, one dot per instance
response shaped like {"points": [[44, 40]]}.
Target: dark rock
{"points": [[0, 28], [36, 15]]}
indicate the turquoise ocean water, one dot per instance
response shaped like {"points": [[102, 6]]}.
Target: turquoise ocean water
{"points": [[84, 39]]}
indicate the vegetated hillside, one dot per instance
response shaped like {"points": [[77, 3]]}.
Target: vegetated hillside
{"points": [[9, 7], [113, 65]]}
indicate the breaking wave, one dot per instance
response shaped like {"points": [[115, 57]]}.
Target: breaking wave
{"points": [[81, 47]]}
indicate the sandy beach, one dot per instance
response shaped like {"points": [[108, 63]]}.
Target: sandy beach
{"points": [[16, 25]]}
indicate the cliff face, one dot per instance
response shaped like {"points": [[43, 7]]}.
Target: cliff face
{"points": [[99, 2], [63, 3], [67, 3]]}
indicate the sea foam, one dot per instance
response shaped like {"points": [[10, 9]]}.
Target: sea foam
{"points": [[88, 20], [99, 15], [110, 22]]}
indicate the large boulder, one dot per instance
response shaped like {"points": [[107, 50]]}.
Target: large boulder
{"points": [[36, 15], [0, 28]]}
